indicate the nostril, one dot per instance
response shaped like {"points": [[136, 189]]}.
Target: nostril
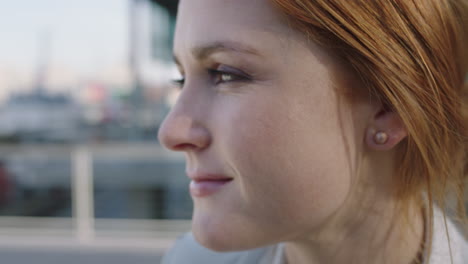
{"points": [[183, 147]]}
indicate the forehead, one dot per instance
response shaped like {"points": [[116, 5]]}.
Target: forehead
{"points": [[206, 21]]}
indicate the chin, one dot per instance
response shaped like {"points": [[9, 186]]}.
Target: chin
{"points": [[222, 237], [213, 240]]}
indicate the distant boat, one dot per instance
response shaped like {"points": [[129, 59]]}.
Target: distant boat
{"points": [[40, 117]]}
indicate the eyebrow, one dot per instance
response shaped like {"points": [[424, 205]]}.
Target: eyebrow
{"points": [[203, 52]]}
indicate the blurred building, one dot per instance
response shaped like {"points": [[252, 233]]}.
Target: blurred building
{"points": [[111, 181], [132, 180], [103, 116]]}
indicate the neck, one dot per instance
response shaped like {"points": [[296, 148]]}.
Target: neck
{"points": [[382, 236]]}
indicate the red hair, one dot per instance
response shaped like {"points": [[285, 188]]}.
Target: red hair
{"points": [[411, 55]]}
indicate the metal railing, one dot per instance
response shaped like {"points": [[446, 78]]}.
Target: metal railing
{"points": [[150, 233]]}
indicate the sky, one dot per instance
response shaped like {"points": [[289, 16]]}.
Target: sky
{"points": [[86, 37]]}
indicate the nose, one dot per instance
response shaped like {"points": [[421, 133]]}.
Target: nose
{"points": [[184, 129]]}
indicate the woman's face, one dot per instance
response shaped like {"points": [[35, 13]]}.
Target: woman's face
{"points": [[260, 106]]}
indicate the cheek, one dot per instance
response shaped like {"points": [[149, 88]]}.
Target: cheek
{"points": [[290, 157]]}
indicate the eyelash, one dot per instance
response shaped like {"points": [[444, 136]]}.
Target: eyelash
{"points": [[216, 75]]}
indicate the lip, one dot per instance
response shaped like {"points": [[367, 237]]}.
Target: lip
{"points": [[203, 185]]}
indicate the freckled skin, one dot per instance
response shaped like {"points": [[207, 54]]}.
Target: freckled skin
{"points": [[286, 137]]}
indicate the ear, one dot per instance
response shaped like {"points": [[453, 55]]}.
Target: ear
{"points": [[385, 130]]}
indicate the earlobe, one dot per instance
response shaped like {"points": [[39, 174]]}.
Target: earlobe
{"points": [[385, 131], [381, 137]]}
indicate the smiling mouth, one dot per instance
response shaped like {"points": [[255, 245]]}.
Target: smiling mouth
{"points": [[207, 187]]}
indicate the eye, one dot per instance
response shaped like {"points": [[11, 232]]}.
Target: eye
{"points": [[226, 75], [220, 75]]}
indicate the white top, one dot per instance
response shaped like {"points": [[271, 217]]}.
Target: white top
{"points": [[187, 250], [440, 252]]}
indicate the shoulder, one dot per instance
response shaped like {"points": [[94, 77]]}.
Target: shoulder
{"points": [[187, 250], [442, 250]]}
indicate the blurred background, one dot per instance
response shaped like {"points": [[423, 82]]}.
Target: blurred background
{"points": [[84, 86]]}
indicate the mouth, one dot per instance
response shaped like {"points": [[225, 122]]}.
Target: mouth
{"points": [[204, 186]]}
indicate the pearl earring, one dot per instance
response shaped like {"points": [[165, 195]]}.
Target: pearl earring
{"points": [[380, 138]]}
